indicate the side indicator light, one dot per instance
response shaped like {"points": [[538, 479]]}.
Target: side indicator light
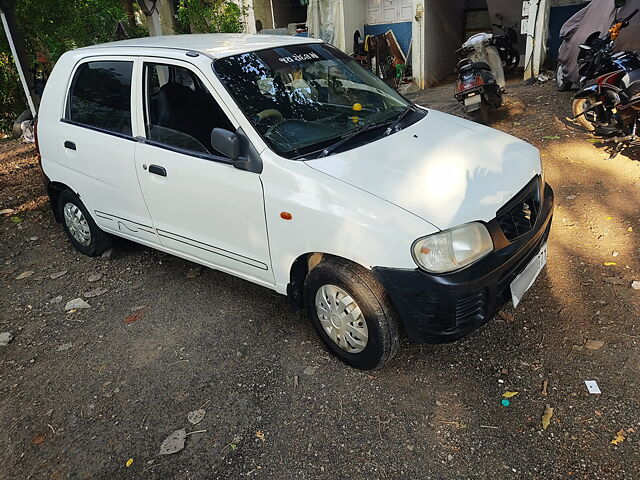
{"points": [[286, 215]]}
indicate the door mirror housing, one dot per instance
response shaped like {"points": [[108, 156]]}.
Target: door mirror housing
{"points": [[237, 147], [226, 142]]}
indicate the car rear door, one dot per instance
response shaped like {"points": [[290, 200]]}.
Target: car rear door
{"points": [[97, 148], [202, 206]]}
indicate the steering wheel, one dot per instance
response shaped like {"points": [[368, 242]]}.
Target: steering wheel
{"points": [[270, 113]]}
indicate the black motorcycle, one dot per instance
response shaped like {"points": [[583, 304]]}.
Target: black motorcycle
{"points": [[506, 45], [609, 105], [596, 54]]}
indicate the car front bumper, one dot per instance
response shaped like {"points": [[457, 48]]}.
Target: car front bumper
{"points": [[439, 308]]}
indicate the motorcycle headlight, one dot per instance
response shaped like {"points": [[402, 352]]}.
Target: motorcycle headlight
{"points": [[452, 249]]}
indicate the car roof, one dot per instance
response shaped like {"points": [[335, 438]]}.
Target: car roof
{"points": [[211, 44]]}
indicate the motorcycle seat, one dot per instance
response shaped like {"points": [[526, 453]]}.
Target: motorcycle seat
{"points": [[468, 66]]}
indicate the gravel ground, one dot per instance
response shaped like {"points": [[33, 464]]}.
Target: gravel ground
{"points": [[84, 392]]}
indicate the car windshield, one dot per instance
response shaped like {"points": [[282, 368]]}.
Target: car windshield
{"points": [[303, 98]]}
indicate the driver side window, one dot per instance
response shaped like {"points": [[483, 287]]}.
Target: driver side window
{"points": [[180, 112]]}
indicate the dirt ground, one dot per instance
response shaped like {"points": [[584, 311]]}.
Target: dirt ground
{"points": [[82, 393]]}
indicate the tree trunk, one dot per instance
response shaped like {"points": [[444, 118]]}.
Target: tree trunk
{"points": [[128, 8]]}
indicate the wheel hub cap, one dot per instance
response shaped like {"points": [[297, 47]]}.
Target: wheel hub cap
{"points": [[341, 319], [77, 224]]}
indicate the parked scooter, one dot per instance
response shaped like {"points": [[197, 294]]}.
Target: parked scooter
{"points": [[609, 106], [506, 45], [480, 82]]}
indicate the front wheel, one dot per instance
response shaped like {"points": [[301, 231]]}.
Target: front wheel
{"points": [[581, 107], [351, 313]]}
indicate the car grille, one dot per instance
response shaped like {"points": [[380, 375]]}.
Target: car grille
{"points": [[519, 216]]}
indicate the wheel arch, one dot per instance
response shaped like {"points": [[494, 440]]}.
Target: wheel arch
{"points": [[299, 270], [54, 189]]}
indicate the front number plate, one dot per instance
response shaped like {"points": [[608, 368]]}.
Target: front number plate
{"points": [[523, 282]]}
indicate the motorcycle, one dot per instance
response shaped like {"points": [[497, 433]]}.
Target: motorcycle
{"points": [[595, 57], [480, 82], [609, 106], [506, 45]]}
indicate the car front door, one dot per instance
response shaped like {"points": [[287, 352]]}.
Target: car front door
{"points": [[203, 207]]}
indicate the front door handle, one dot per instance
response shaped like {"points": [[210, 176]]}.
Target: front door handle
{"points": [[70, 145], [157, 170]]}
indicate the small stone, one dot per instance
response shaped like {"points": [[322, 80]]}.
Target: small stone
{"points": [[33, 239], [410, 448], [615, 254], [310, 370], [194, 272], [53, 276], [635, 284], [64, 347], [33, 360], [107, 254], [95, 293], [449, 457], [26, 274], [5, 338], [57, 299], [75, 304], [571, 197], [594, 344], [95, 277]]}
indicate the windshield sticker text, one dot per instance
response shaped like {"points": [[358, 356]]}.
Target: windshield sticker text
{"points": [[299, 57]]}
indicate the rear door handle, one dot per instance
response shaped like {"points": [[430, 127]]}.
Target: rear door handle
{"points": [[70, 145], [157, 170]]}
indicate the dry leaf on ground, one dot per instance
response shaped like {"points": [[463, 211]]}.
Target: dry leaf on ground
{"points": [[546, 417], [174, 442], [196, 416]]}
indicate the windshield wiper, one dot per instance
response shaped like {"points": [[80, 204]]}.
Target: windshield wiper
{"points": [[349, 137], [409, 108]]}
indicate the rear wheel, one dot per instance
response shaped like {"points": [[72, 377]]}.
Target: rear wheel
{"points": [[351, 313], [481, 115], [82, 231], [562, 84], [580, 106]]}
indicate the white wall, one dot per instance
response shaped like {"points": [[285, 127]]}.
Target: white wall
{"points": [[354, 19]]}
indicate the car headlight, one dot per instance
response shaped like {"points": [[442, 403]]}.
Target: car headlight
{"points": [[452, 249]]}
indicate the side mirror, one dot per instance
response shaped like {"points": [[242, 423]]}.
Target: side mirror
{"points": [[619, 3], [226, 142]]}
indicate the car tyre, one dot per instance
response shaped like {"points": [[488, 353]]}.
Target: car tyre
{"points": [[82, 231], [369, 335]]}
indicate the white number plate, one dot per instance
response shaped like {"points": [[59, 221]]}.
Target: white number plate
{"points": [[523, 282], [473, 100]]}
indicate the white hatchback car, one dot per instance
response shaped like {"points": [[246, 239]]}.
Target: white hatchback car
{"points": [[281, 161]]}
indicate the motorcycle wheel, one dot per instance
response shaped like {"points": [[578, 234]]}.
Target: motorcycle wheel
{"points": [[579, 106], [562, 84], [481, 115]]}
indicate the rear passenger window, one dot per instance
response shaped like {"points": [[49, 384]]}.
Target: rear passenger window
{"points": [[179, 110], [100, 96]]}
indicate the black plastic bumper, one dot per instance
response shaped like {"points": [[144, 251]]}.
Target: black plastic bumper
{"points": [[443, 308]]}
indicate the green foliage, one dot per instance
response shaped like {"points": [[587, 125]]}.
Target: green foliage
{"points": [[12, 101], [210, 16], [49, 28]]}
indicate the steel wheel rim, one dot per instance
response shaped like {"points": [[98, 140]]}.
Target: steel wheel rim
{"points": [[77, 224], [592, 116], [341, 319]]}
